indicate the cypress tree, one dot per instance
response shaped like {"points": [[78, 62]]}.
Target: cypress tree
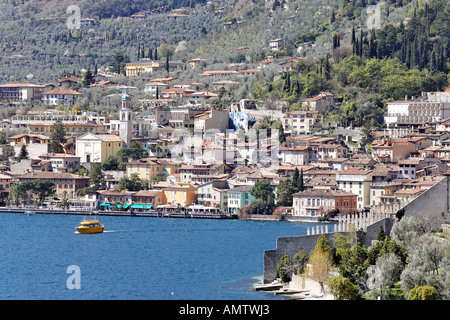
{"points": [[287, 83], [295, 179], [432, 64], [300, 183], [167, 63], [353, 35], [361, 43], [408, 55]]}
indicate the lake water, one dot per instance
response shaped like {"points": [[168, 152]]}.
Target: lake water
{"points": [[136, 257]]}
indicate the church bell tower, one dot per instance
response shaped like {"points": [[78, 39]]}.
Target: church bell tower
{"points": [[126, 124]]}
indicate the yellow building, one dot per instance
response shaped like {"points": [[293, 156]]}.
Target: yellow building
{"points": [[97, 147], [183, 194], [143, 66], [151, 167], [71, 129]]}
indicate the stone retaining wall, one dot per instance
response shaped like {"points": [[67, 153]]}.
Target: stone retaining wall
{"points": [[292, 245]]}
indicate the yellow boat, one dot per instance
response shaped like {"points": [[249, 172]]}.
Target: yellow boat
{"points": [[90, 226]]}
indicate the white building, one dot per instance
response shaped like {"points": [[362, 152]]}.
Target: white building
{"points": [[153, 88], [60, 162], [296, 155], [431, 108], [60, 97], [97, 147], [300, 122], [20, 91], [356, 181]]}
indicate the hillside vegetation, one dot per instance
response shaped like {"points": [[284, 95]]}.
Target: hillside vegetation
{"points": [[366, 51]]}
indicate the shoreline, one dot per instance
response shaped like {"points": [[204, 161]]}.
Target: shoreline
{"points": [[155, 214], [31, 211]]}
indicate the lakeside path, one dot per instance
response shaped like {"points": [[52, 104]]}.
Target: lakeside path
{"points": [[118, 213]]}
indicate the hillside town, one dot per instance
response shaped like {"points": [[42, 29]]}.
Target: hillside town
{"points": [[180, 150]]}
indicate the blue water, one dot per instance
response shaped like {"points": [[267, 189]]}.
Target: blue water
{"points": [[136, 258]]}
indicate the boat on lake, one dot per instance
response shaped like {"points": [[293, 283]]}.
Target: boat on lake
{"points": [[90, 226]]}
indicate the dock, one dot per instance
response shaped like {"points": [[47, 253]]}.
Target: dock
{"points": [[268, 287], [153, 214]]}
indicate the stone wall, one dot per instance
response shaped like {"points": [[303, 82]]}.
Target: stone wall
{"points": [[433, 204], [292, 245]]}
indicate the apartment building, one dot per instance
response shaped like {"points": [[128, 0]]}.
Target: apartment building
{"points": [[318, 202], [356, 181], [301, 122]]}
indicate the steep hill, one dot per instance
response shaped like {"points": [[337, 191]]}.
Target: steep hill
{"points": [[35, 40]]}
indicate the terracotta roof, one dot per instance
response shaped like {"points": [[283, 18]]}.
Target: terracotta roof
{"points": [[355, 171], [21, 135], [62, 91], [21, 85], [58, 155], [147, 193], [50, 175], [323, 193], [109, 137]]}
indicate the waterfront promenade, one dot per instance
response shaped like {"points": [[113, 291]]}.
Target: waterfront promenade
{"points": [[154, 214]]}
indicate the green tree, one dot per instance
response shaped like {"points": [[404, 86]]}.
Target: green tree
{"points": [[381, 235], [96, 175], [423, 293], [167, 64], [300, 260], [135, 151], [323, 244], [367, 133], [284, 268], [32, 191], [111, 163], [259, 206], [285, 190], [65, 203], [8, 152], [43, 189], [87, 78], [23, 153], [343, 289], [386, 246], [353, 264], [57, 137], [134, 183], [262, 190], [119, 60]]}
